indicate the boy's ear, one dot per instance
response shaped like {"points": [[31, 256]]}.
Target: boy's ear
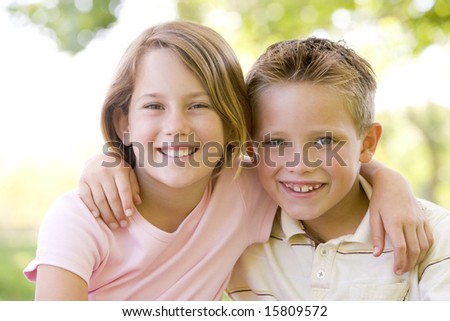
{"points": [[121, 126], [370, 142]]}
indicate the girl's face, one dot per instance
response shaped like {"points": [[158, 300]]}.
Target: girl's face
{"points": [[177, 136]]}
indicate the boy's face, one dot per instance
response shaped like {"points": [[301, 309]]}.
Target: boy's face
{"points": [[309, 148]]}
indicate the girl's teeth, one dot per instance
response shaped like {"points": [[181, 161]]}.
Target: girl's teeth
{"points": [[179, 152]]}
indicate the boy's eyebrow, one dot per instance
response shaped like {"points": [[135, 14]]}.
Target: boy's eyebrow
{"points": [[329, 131], [323, 131]]}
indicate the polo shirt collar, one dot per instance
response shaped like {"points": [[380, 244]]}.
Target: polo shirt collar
{"points": [[290, 226]]}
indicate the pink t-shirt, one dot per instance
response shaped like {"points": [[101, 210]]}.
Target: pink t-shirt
{"points": [[142, 262]]}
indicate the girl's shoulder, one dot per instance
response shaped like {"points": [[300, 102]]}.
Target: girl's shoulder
{"points": [[244, 177], [69, 215], [70, 206]]}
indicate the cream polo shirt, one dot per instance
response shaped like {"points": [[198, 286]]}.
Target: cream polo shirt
{"points": [[291, 267]]}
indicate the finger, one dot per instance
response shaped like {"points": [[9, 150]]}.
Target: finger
{"points": [[412, 248], [115, 201], [429, 234], [398, 241], [426, 228], [102, 204], [125, 194], [378, 234], [86, 196], [135, 188], [424, 245], [397, 236]]}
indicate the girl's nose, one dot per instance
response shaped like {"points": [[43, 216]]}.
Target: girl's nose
{"points": [[177, 122]]}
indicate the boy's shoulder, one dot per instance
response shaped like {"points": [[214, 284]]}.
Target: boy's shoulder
{"points": [[438, 216], [433, 210]]}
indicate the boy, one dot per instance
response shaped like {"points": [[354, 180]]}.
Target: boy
{"points": [[313, 103]]}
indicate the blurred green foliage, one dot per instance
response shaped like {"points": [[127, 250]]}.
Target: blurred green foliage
{"points": [[17, 248], [260, 22], [415, 140], [73, 24]]}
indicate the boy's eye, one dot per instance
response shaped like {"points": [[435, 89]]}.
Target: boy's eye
{"points": [[323, 141]]}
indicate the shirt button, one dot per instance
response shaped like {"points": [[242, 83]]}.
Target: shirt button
{"points": [[324, 252], [320, 274]]}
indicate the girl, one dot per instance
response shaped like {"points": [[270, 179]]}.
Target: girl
{"points": [[178, 97]]}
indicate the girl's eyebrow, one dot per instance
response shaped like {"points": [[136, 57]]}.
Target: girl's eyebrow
{"points": [[271, 133], [195, 94], [198, 94]]}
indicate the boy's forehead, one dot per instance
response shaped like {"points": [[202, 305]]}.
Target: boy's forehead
{"points": [[292, 104]]}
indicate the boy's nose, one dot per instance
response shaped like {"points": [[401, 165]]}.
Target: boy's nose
{"points": [[303, 159]]}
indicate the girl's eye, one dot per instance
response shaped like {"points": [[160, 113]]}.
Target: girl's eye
{"points": [[323, 141], [198, 105], [153, 106]]}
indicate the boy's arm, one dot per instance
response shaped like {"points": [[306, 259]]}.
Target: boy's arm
{"points": [[109, 188], [56, 284], [394, 210]]}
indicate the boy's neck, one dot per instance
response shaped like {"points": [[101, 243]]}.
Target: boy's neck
{"points": [[343, 219]]}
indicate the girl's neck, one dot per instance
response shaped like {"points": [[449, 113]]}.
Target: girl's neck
{"points": [[344, 218], [166, 207]]}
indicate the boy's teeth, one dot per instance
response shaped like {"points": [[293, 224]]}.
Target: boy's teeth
{"points": [[303, 188]]}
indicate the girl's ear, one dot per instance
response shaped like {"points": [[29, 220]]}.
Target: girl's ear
{"points": [[252, 151], [370, 142], [121, 126]]}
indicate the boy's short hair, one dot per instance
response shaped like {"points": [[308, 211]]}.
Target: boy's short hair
{"points": [[319, 61]]}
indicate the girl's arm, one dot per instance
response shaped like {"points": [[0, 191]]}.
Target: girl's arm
{"points": [[56, 284], [108, 186], [394, 210]]}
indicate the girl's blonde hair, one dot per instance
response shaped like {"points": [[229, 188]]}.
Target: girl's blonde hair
{"points": [[319, 61], [211, 59]]}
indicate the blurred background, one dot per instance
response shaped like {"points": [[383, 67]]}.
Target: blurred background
{"points": [[57, 58]]}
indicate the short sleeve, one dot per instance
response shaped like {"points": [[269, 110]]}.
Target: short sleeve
{"points": [[70, 238]]}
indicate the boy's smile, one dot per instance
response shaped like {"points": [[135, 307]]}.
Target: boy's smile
{"points": [[310, 152]]}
